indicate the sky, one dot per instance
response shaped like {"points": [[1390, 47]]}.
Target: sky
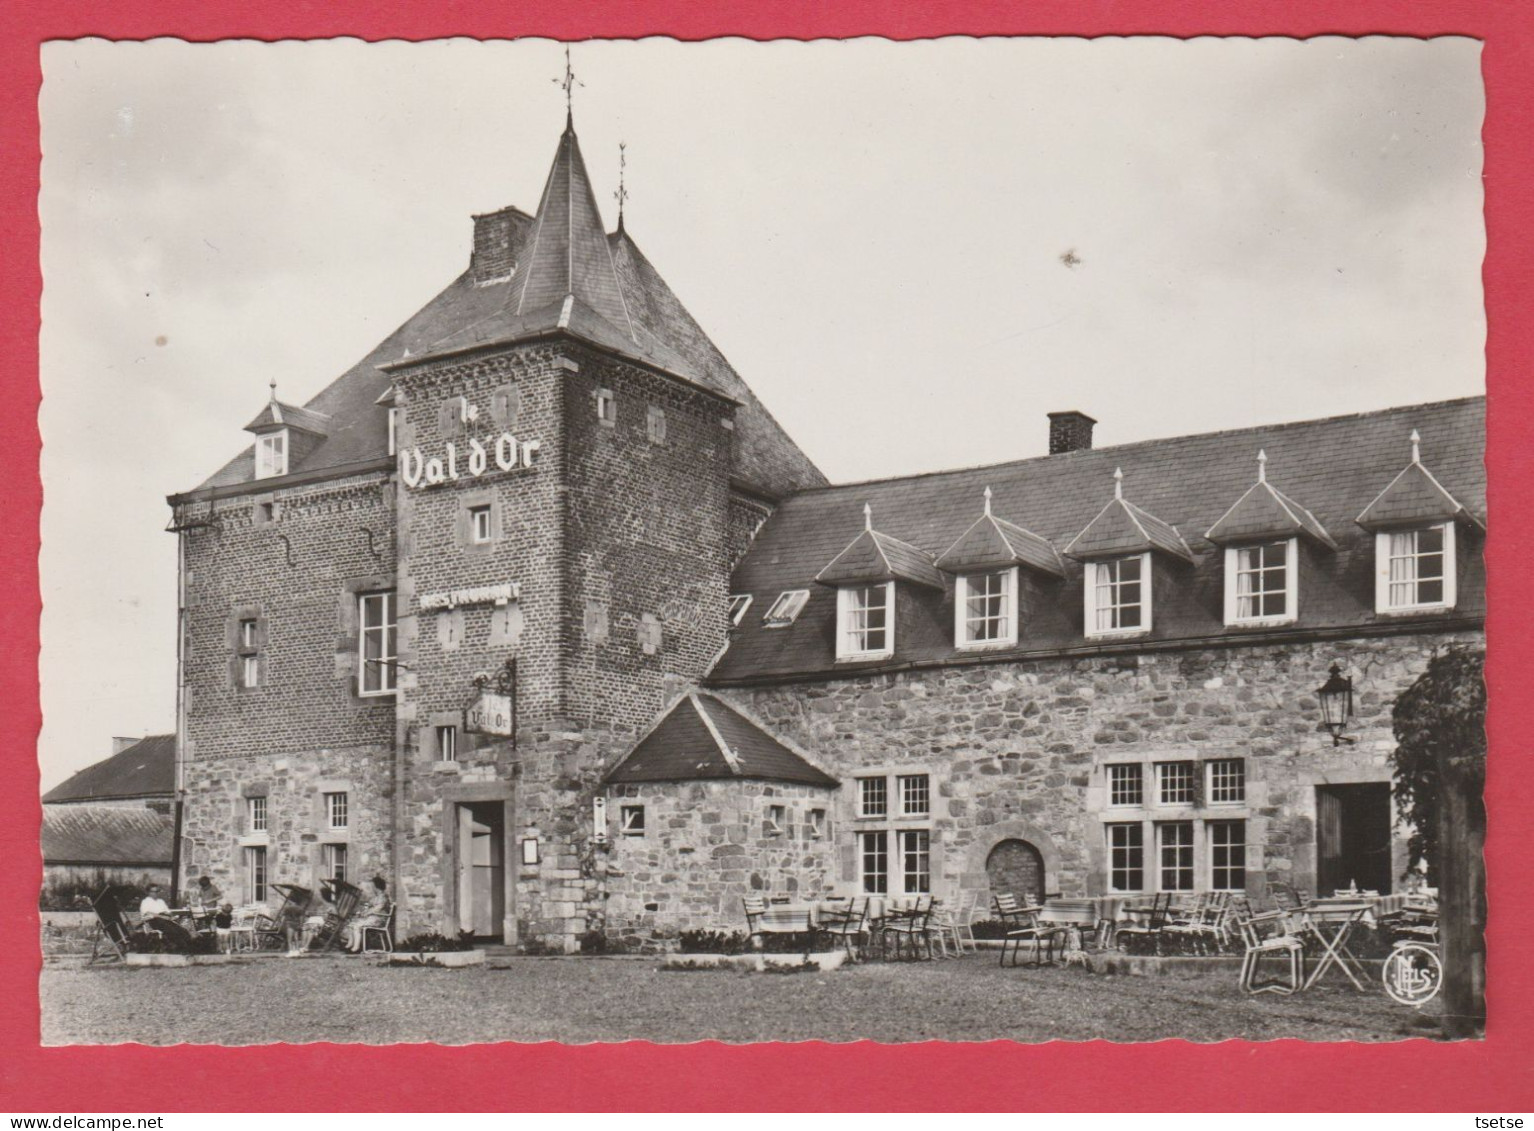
{"points": [[911, 252]]}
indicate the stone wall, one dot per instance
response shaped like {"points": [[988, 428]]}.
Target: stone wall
{"points": [[708, 845], [1017, 750]]}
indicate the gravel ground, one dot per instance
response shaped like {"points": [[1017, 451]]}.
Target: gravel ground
{"points": [[268, 1000]]}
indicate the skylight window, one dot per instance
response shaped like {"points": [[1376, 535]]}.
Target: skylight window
{"points": [[739, 603], [786, 609]]}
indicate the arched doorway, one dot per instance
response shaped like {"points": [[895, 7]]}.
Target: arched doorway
{"points": [[1016, 867]]}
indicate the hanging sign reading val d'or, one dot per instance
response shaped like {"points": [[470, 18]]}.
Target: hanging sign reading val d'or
{"points": [[490, 714], [504, 453]]}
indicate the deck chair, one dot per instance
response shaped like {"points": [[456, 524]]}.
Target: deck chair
{"points": [[271, 930], [381, 933], [1201, 930], [345, 899], [908, 930], [847, 927], [112, 931], [756, 907], [1286, 897], [1269, 934], [1024, 928]]}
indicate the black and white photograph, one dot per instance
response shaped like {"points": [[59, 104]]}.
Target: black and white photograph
{"points": [[961, 539]]}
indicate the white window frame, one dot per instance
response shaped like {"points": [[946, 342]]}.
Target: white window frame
{"points": [[329, 852], [1209, 786], [631, 820], [1185, 851], [1233, 571], [480, 514], [607, 407], [884, 796], [394, 431], [925, 789], [1089, 597], [272, 454], [922, 836], [1186, 771], [257, 816], [382, 664], [445, 736], [1137, 772], [1108, 830], [1382, 559], [739, 603], [337, 803], [1210, 847], [864, 837], [845, 633], [963, 624], [256, 892], [786, 609]]}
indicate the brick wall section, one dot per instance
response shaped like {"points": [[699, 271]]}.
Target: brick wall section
{"points": [[747, 514], [707, 846], [1016, 749]]}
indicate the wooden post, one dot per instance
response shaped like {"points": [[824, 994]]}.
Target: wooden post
{"points": [[1462, 901]]}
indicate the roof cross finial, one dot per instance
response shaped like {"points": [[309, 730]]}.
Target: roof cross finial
{"points": [[988, 502], [1118, 482], [568, 85], [1262, 466], [623, 193], [868, 516], [1416, 447]]}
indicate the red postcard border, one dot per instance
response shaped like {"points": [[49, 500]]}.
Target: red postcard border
{"points": [[1490, 1076]]}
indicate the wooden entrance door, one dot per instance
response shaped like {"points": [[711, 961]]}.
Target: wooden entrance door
{"points": [[481, 868], [1353, 837]]}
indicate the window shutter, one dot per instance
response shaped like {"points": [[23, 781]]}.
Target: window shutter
{"points": [[505, 405]]}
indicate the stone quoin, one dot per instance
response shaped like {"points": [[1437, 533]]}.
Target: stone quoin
{"points": [[1087, 672]]}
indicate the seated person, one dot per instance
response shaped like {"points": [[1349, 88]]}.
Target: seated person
{"points": [[374, 913], [153, 903]]}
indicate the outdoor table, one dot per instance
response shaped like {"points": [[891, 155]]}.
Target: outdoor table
{"points": [[789, 918], [1080, 914], [1333, 921]]}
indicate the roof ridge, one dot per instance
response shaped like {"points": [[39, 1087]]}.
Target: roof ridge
{"points": [[1066, 456], [730, 757]]}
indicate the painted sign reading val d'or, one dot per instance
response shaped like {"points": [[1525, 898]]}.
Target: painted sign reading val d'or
{"points": [[504, 453]]}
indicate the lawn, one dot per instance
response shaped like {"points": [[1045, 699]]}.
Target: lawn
{"points": [[580, 1000]]}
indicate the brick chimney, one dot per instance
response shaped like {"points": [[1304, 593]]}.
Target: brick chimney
{"points": [[121, 744], [1070, 432], [496, 237]]}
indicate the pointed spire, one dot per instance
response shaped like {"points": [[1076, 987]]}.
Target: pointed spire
{"points": [[868, 517], [1416, 447], [988, 502], [568, 85], [1118, 482], [1262, 466], [623, 193]]}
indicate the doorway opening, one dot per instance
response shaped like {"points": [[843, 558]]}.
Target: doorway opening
{"points": [[1353, 837], [1016, 867], [481, 878]]}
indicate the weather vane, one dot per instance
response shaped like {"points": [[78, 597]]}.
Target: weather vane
{"points": [[568, 83], [623, 193]]}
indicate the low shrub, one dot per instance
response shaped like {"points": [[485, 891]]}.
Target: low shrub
{"points": [[150, 942], [537, 948], [989, 929], [434, 942], [594, 942], [713, 942]]}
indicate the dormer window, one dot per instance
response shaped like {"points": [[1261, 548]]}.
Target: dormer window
{"points": [[1118, 596], [865, 627], [272, 454], [739, 603], [1261, 583], [985, 609], [786, 609], [1415, 569]]}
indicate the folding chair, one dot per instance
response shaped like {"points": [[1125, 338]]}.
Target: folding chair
{"points": [[1026, 928], [846, 927], [1135, 935], [756, 907], [910, 927], [382, 932], [1258, 944], [111, 928]]}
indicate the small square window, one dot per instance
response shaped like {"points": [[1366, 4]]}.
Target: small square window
{"points": [[985, 604], [479, 524], [777, 820], [255, 811], [1126, 784], [447, 743], [1416, 569], [335, 810], [1118, 596], [817, 823], [655, 423], [873, 797], [915, 795], [607, 407], [631, 820], [250, 671], [739, 603], [272, 454], [1227, 781], [786, 609], [1175, 783], [865, 614]]}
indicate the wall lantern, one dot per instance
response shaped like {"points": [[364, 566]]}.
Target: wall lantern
{"points": [[1336, 696]]}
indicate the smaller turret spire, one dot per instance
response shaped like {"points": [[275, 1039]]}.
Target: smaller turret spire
{"points": [[987, 501], [1262, 466], [1118, 482], [273, 384], [623, 193], [868, 516], [1416, 447], [568, 85]]}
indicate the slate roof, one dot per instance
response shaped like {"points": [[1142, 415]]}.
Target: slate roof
{"points": [[1266, 512], [871, 557], [701, 738], [279, 415], [145, 769], [656, 329], [994, 543], [1123, 528], [1337, 465], [1414, 496], [106, 835]]}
